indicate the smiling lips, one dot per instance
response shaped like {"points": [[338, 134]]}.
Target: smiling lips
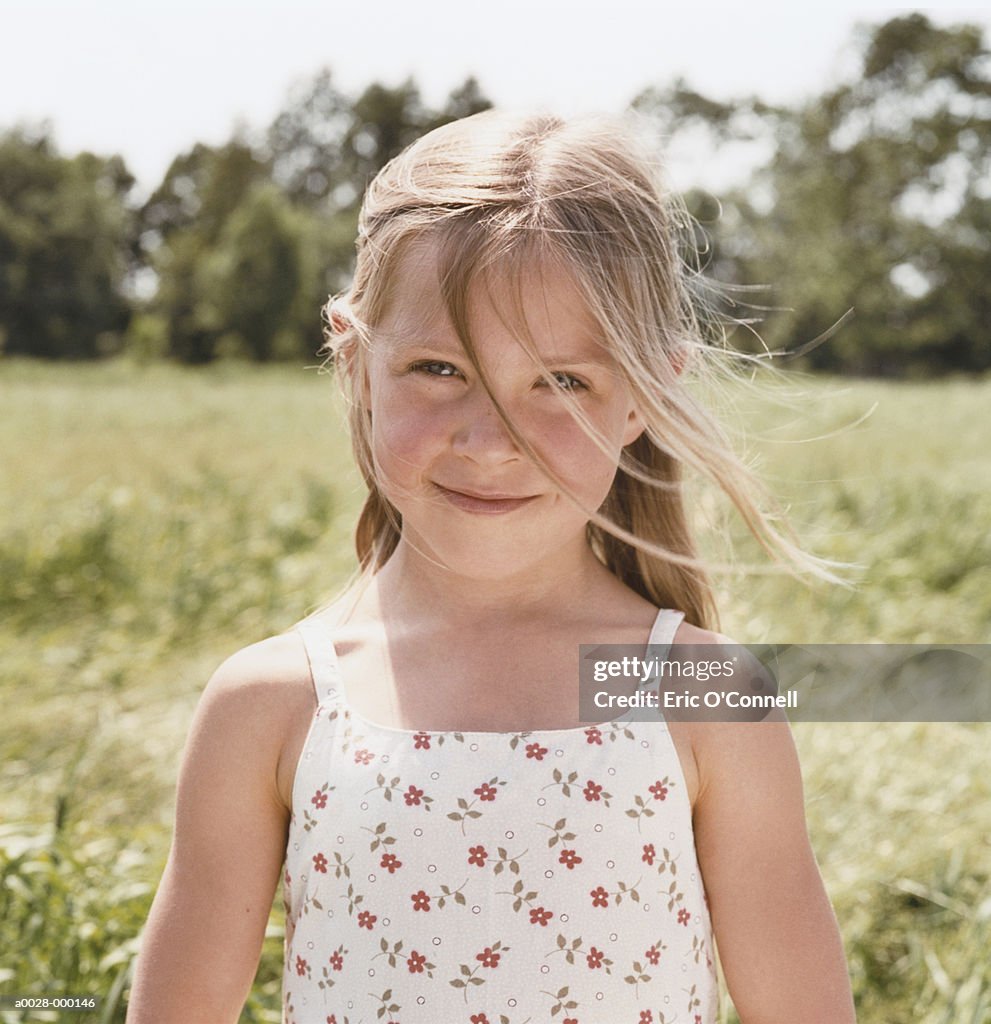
{"points": [[495, 503]]}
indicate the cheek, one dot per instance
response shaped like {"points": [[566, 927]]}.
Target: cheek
{"points": [[577, 458], [405, 435]]}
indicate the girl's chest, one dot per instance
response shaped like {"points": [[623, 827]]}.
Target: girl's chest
{"points": [[460, 747]]}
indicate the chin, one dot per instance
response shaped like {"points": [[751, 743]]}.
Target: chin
{"points": [[488, 566], [483, 558]]}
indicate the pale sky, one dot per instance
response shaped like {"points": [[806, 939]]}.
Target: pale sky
{"points": [[148, 79]]}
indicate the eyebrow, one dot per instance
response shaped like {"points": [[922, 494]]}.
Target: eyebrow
{"points": [[577, 360]]}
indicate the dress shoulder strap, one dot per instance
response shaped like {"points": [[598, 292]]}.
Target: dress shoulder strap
{"points": [[319, 645], [665, 626]]}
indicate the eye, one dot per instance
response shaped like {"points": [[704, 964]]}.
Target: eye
{"points": [[434, 368], [568, 382]]}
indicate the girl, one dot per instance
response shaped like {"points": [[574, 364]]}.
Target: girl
{"points": [[455, 845]]}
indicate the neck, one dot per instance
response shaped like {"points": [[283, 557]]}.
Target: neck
{"points": [[414, 590]]}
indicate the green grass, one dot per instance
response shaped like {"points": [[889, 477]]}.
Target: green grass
{"points": [[154, 520]]}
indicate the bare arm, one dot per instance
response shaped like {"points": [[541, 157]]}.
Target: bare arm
{"points": [[202, 941], [778, 939]]}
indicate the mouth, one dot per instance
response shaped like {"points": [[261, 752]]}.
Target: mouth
{"points": [[493, 503]]}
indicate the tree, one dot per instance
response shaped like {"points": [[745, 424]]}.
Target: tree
{"points": [[182, 224], [66, 241], [256, 280], [244, 240], [324, 147], [876, 190], [875, 198], [304, 142]]}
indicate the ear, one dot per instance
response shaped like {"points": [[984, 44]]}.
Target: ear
{"points": [[339, 320], [635, 426], [679, 359], [353, 365]]}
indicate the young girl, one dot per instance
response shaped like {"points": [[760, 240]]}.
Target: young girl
{"points": [[455, 845]]}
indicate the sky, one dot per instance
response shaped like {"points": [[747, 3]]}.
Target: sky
{"points": [[149, 79]]}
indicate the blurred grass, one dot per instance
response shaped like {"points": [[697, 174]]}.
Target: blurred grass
{"points": [[153, 520]]}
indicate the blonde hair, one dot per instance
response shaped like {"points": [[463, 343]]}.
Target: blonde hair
{"points": [[496, 191]]}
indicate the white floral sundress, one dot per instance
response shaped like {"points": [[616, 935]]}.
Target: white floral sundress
{"points": [[544, 877]]}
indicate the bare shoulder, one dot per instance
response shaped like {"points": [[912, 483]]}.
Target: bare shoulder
{"points": [[763, 747], [689, 634], [714, 748], [276, 661], [265, 691], [264, 680], [684, 734]]}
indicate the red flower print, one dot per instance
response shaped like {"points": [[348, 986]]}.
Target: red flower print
{"points": [[332, 1019], [659, 790], [649, 853], [570, 1020], [653, 955], [592, 790], [536, 751], [569, 859], [363, 756], [421, 741], [485, 792], [600, 898], [594, 735], [337, 961], [391, 862], [477, 855], [300, 966], [646, 1017], [683, 916], [540, 916], [412, 796], [594, 958], [698, 1018], [320, 863], [416, 962], [421, 901], [488, 958], [319, 800], [479, 1018], [366, 919]]}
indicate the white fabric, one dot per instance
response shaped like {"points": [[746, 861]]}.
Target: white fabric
{"points": [[491, 877]]}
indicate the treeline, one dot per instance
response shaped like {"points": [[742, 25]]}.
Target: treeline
{"points": [[876, 196], [231, 255]]}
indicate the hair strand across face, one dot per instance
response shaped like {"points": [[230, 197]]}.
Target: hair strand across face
{"points": [[499, 196]]}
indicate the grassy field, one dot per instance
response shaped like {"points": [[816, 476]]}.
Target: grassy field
{"points": [[154, 520]]}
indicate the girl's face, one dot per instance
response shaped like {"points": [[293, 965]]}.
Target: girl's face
{"points": [[469, 497]]}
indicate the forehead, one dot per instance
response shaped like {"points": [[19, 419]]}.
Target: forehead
{"points": [[533, 300]]}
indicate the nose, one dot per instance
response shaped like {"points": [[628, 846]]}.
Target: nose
{"points": [[480, 434]]}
